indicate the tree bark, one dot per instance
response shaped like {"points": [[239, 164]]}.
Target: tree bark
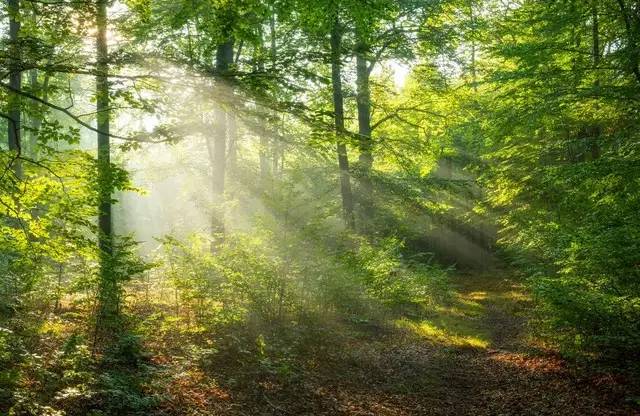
{"points": [[363, 99], [103, 125], [224, 58], [34, 119], [232, 122], [15, 81], [232, 151], [474, 70], [277, 150], [594, 137], [264, 139], [264, 160], [338, 105], [108, 296]]}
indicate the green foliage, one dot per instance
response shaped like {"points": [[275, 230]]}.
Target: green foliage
{"points": [[250, 277], [584, 318], [61, 379], [524, 112], [553, 128], [396, 281]]}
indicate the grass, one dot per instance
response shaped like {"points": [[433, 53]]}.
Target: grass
{"points": [[446, 330], [452, 325]]}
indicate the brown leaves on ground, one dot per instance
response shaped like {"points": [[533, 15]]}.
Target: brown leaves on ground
{"points": [[387, 371]]}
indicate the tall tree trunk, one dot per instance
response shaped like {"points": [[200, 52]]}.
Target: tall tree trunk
{"points": [[224, 58], [34, 121], [232, 122], [596, 129], [15, 81], [363, 99], [474, 70], [277, 150], [264, 139], [108, 296], [338, 106], [41, 90], [232, 151], [264, 160], [103, 124]]}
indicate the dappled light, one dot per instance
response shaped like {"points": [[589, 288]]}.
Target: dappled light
{"points": [[331, 207], [449, 332]]}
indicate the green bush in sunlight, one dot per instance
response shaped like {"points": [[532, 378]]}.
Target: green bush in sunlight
{"points": [[252, 305], [571, 224], [582, 254], [256, 276], [394, 280]]}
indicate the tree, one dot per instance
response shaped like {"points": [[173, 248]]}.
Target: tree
{"points": [[381, 30], [338, 106], [562, 124], [14, 120], [224, 59], [108, 292], [363, 100]]}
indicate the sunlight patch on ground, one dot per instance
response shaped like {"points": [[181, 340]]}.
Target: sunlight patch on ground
{"points": [[448, 331], [463, 306], [517, 295], [53, 327], [462, 309], [476, 296]]}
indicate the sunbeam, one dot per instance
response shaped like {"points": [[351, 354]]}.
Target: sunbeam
{"points": [[329, 207]]}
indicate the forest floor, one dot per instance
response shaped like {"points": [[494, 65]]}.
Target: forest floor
{"points": [[469, 356]]}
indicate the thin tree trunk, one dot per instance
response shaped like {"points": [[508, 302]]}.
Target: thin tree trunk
{"points": [[363, 98], [232, 152], [364, 112], [15, 81], [264, 139], [594, 145], [264, 161], [224, 58], [274, 45], [107, 296], [41, 90], [338, 105], [34, 119], [103, 124], [277, 147], [275, 157], [474, 70], [232, 121]]}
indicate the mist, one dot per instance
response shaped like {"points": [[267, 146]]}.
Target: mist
{"points": [[400, 208]]}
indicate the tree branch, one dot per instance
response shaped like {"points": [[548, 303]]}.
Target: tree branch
{"points": [[76, 118]]}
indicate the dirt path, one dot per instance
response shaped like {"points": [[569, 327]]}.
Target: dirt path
{"points": [[467, 357], [498, 372]]}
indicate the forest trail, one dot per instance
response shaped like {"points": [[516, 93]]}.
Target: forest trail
{"points": [[468, 356]]}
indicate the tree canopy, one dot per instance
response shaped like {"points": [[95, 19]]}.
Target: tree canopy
{"points": [[251, 206]]}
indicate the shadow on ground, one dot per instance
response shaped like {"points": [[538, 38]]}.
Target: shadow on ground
{"points": [[466, 357]]}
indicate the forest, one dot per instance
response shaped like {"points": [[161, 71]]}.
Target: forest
{"points": [[319, 207]]}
